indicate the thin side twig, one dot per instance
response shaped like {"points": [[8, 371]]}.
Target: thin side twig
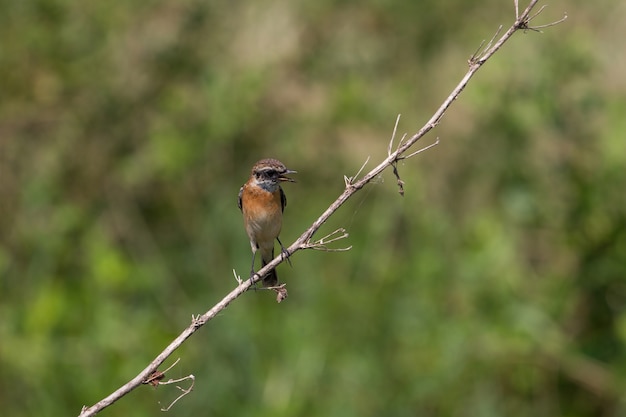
{"points": [[349, 180], [393, 135], [322, 244], [184, 391]]}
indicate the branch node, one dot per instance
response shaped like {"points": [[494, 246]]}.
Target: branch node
{"points": [[155, 377], [196, 320], [478, 57], [523, 22], [350, 180], [394, 164]]}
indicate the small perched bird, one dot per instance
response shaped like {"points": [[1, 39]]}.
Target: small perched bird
{"points": [[262, 202]]}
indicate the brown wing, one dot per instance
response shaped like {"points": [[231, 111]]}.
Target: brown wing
{"points": [[239, 198]]}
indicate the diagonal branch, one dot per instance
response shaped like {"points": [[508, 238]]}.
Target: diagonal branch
{"points": [[352, 186]]}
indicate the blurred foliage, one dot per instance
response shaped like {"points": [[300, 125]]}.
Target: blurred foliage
{"points": [[496, 286]]}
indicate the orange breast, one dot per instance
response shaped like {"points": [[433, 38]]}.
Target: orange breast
{"points": [[263, 215]]}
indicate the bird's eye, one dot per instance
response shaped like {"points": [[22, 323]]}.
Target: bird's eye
{"points": [[271, 173]]}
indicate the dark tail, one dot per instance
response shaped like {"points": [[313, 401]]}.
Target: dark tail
{"points": [[271, 279]]}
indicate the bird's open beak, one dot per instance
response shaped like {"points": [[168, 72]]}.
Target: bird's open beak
{"points": [[282, 177]]}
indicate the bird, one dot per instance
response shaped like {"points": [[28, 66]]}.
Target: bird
{"points": [[262, 202]]}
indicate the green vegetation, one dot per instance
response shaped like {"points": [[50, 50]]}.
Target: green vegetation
{"points": [[495, 287]]}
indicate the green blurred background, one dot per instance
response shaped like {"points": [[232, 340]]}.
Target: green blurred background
{"points": [[495, 287]]}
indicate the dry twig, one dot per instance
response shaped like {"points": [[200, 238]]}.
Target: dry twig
{"points": [[184, 391], [352, 185]]}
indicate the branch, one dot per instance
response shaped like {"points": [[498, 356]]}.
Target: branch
{"points": [[352, 186]]}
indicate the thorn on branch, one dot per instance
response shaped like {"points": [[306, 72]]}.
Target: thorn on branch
{"points": [[184, 391], [425, 148], [393, 135], [480, 53], [523, 22], [350, 180], [237, 278], [321, 244]]}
